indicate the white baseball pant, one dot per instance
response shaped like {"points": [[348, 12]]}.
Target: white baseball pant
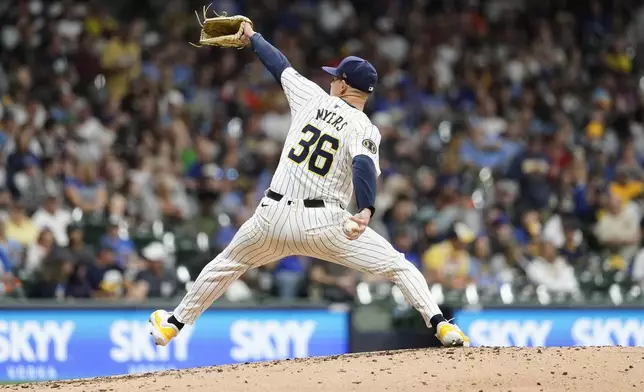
{"points": [[279, 229]]}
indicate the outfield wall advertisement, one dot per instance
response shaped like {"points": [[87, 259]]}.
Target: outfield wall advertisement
{"points": [[553, 327], [65, 343]]}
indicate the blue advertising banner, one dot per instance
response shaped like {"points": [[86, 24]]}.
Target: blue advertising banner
{"points": [[553, 327], [64, 344]]}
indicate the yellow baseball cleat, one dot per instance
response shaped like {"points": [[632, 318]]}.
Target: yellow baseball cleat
{"points": [[162, 331], [451, 335]]}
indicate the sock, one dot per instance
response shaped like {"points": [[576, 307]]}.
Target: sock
{"points": [[172, 320], [435, 320]]}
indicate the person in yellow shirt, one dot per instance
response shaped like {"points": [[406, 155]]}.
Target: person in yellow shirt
{"points": [[617, 58], [19, 227], [98, 20], [121, 61], [448, 262], [625, 188]]}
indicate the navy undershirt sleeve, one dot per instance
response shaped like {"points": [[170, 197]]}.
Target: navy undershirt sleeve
{"points": [[364, 182], [270, 56]]}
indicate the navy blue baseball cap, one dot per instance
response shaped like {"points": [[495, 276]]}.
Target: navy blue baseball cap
{"points": [[357, 72]]}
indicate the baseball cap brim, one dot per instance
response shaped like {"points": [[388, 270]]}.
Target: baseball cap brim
{"points": [[331, 71]]}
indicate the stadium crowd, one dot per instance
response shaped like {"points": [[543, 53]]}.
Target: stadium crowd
{"points": [[519, 121]]}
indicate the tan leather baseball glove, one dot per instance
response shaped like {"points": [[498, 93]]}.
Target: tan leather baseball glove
{"points": [[222, 30]]}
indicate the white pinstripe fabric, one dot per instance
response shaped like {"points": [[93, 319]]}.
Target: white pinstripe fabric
{"points": [[279, 230]]}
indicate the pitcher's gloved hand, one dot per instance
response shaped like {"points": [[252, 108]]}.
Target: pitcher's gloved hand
{"points": [[223, 31]]}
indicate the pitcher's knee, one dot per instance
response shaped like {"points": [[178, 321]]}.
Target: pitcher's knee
{"points": [[223, 265], [395, 264]]}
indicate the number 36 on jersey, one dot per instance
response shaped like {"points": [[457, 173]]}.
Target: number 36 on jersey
{"points": [[319, 148]]}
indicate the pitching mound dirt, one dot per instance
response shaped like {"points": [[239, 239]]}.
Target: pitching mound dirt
{"points": [[473, 369]]}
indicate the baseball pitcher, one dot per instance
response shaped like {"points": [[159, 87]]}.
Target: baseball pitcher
{"points": [[330, 153]]}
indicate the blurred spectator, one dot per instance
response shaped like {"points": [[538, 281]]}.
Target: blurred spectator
{"points": [[54, 218], [51, 279], [6, 267], [86, 191], [51, 170], [624, 187], [5, 202], [98, 21], [92, 139], [431, 234], [289, 275], [481, 150], [122, 60], [30, 184], [404, 243], [277, 122], [165, 205], [205, 221], [155, 281], [483, 272], [78, 284], [11, 251], [17, 156], [128, 201], [334, 14], [445, 209], [201, 173], [399, 215], [530, 169], [19, 226], [449, 262], [37, 252], [501, 234], [637, 266], [573, 249], [554, 230], [630, 163], [122, 247], [105, 277], [552, 271], [392, 46], [529, 230], [87, 62], [77, 250], [617, 58], [618, 228], [332, 282]]}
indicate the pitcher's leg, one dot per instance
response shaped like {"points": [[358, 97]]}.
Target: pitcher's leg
{"points": [[251, 247], [372, 253]]}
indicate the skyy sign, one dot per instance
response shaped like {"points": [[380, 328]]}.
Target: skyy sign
{"points": [[553, 327], [63, 344]]}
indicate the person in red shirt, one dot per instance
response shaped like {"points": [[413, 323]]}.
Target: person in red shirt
{"points": [[559, 155]]}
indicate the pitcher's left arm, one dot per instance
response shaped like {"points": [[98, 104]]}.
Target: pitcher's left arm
{"points": [[298, 89]]}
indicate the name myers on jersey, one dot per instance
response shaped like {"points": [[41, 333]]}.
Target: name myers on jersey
{"points": [[331, 118]]}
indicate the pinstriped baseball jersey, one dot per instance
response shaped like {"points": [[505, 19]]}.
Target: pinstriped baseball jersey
{"points": [[326, 133]]}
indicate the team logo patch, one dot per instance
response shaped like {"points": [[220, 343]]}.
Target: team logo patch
{"points": [[370, 145]]}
